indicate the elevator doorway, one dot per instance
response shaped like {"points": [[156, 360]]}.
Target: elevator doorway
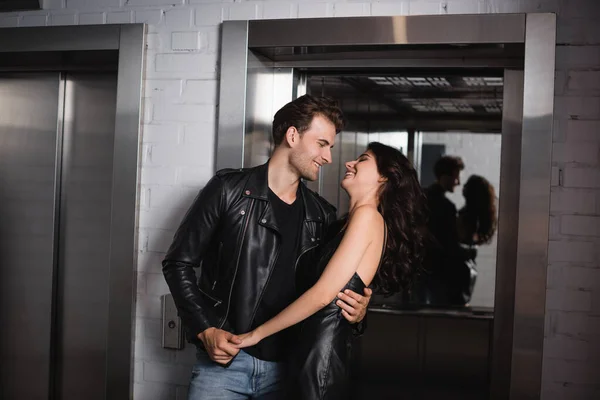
{"points": [[268, 63]]}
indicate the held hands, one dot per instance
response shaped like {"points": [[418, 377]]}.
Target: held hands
{"points": [[353, 305], [249, 339], [220, 345]]}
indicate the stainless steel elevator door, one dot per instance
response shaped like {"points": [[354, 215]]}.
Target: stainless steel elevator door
{"points": [[28, 119], [56, 169], [85, 204]]}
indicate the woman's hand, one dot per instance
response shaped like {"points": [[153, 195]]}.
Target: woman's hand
{"points": [[248, 339]]}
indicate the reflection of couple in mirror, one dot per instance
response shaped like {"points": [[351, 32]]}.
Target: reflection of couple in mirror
{"points": [[454, 235]]}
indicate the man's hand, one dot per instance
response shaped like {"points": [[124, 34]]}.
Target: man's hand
{"points": [[353, 305], [220, 345]]}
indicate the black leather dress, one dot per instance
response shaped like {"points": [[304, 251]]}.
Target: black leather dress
{"points": [[321, 362]]}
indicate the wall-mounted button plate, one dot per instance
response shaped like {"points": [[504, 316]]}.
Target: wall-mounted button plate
{"points": [[172, 332]]}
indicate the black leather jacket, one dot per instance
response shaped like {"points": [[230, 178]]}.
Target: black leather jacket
{"points": [[230, 232]]}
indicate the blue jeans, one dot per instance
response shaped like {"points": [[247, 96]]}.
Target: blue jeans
{"points": [[246, 377]]}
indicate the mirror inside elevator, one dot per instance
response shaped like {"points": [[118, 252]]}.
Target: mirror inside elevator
{"points": [[430, 116]]}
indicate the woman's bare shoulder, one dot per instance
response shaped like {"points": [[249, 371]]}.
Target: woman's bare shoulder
{"points": [[366, 218]]}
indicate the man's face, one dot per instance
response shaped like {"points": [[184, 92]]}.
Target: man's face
{"points": [[313, 148], [449, 182]]}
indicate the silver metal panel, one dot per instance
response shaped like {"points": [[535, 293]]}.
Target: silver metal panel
{"points": [[60, 38], [232, 95], [123, 221], [329, 179], [172, 332], [28, 111], [268, 90], [283, 89], [508, 218], [534, 206], [83, 287], [421, 29], [398, 63], [54, 328], [346, 141], [259, 107], [362, 140]]}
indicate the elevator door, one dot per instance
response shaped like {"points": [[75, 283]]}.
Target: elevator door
{"points": [[56, 157], [29, 106], [84, 235]]}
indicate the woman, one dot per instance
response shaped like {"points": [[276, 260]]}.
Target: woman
{"points": [[476, 224], [477, 219], [381, 241]]}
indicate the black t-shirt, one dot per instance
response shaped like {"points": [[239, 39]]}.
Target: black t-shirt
{"points": [[280, 291]]}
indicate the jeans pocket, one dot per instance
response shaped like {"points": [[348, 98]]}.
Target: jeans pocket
{"points": [[202, 360]]}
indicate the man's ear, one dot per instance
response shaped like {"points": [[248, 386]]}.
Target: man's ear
{"points": [[292, 136]]}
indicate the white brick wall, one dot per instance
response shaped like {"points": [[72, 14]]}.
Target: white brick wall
{"points": [[182, 49]]}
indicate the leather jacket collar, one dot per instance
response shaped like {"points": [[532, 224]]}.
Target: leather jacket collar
{"points": [[257, 187]]}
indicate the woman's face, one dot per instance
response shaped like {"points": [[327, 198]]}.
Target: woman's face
{"points": [[362, 174]]}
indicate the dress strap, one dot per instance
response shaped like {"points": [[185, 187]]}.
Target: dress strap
{"points": [[384, 243]]}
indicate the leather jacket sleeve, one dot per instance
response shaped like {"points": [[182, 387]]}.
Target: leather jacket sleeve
{"points": [[189, 244]]}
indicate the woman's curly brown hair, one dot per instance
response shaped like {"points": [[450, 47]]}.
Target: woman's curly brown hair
{"points": [[402, 204], [479, 212]]}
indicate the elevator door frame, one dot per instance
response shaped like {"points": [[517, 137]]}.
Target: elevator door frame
{"points": [[516, 361], [129, 41]]}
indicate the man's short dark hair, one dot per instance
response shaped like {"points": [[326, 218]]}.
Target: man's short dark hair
{"points": [[299, 113], [448, 165]]}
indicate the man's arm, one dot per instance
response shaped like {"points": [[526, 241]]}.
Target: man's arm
{"points": [[186, 252]]}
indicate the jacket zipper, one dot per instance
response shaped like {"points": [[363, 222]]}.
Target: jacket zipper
{"points": [[263, 291], [301, 254], [217, 301], [237, 264], [218, 265]]}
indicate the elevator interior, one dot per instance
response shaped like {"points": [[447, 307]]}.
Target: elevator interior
{"points": [[69, 129], [421, 83], [426, 114]]}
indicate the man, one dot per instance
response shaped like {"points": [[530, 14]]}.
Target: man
{"points": [[443, 211], [444, 252], [246, 231]]}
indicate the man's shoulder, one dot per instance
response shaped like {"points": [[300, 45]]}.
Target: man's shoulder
{"points": [[233, 176], [232, 172]]}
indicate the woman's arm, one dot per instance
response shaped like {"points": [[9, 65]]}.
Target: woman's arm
{"points": [[339, 270]]}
